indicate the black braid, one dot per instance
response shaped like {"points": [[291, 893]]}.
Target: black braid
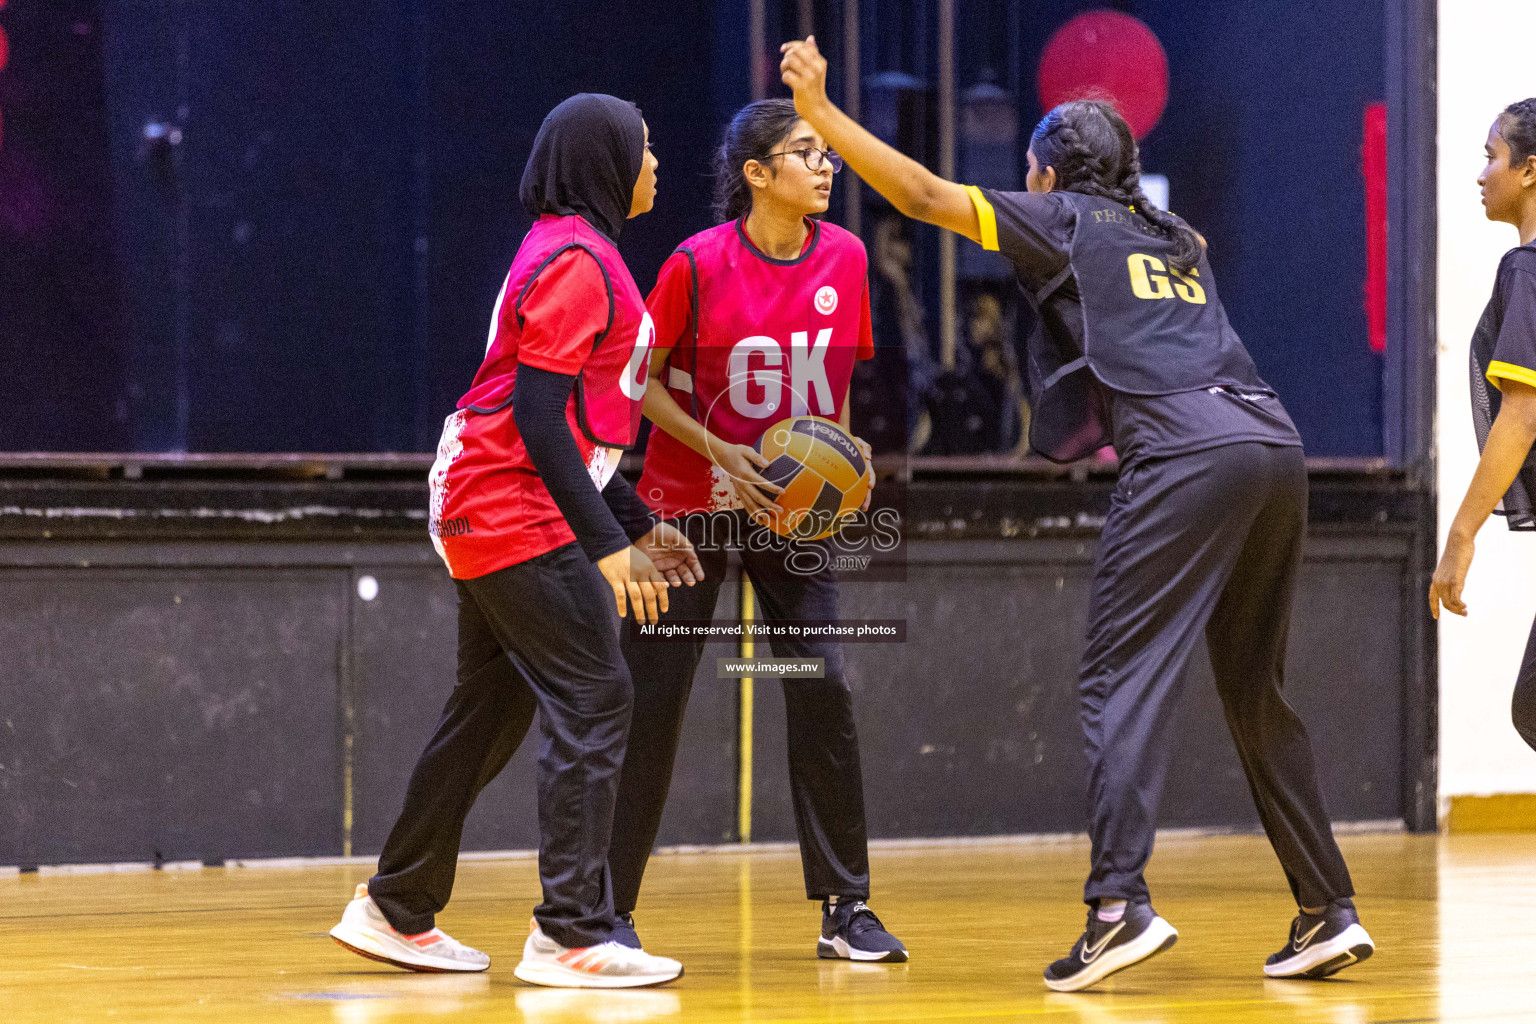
{"points": [[1094, 153], [1517, 127]]}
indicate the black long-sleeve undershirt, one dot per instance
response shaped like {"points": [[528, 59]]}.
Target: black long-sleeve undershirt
{"points": [[603, 521], [634, 515]]}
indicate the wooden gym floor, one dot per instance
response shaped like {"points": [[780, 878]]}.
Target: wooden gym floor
{"points": [[1454, 919]]}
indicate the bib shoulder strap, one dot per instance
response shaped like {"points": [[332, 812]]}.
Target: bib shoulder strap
{"points": [[680, 379], [607, 283], [1076, 203]]}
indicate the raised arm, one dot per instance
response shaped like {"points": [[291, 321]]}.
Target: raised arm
{"points": [[913, 189]]}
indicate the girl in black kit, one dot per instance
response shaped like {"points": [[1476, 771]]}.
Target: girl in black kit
{"points": [[756, 276], [1206, 525], [1503, 385]]}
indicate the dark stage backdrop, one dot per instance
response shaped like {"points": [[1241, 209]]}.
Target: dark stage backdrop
{"points": [[63, 341], [1261, 141], [304, 254], [1262, 145]]}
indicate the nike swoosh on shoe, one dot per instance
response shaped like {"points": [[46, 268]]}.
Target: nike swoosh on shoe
{"points": [[1101, 946]]}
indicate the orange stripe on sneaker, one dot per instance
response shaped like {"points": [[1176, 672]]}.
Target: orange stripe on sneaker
{"points": [[572, 954]]}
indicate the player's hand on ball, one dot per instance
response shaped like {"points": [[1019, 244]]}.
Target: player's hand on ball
{"points": [[672, 553], [741, 463], [804, 70], [1451, 576], [636, 582], [869, 469]]}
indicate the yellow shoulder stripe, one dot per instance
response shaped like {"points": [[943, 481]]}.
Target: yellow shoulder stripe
{"points": [[986, 215], [1498, 371]]}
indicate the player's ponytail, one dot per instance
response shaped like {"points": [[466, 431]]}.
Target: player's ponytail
{"points": [[1093, 151], [1517, 127], [754, 133]]}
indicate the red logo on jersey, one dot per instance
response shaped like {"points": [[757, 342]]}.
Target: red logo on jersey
{"points": [[826, 300]]}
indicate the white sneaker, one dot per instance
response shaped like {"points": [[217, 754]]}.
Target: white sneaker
{"points": [[610, 965], [365, 931]]}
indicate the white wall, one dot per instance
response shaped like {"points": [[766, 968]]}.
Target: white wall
{"points": [[1486, 63]]}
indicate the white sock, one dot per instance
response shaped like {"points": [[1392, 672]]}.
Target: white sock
{"points": [[1110, 910]]}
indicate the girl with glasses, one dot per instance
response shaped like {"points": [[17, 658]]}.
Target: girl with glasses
{"points": [[757, 319]]}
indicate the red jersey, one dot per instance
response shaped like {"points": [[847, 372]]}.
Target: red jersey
{"points": [[568, 305], [751, 340]]}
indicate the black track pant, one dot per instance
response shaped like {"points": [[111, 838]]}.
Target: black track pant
{"points": [[1212, 541], [1523, 706], [825, 781], [541, 634]]}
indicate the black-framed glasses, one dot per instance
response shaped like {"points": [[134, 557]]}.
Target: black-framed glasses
{"points": [[814, 158]]}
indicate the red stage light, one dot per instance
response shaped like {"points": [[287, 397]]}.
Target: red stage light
{"points": [[1107, 55], [1373, 155]]}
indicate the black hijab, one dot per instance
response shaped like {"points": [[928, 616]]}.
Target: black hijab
{"points": [[586, 160]]}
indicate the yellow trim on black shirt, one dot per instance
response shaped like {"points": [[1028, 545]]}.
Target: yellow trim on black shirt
{"points": [[1509, 371], [986, 215]]}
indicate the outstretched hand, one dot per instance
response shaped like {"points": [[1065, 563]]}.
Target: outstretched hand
{"points": [[672, 554], [804, 70], [914, 190]]}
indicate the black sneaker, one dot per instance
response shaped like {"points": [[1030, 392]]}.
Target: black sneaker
{"points": [[1110, 946], [851, 931], [1322, 944], [624, 932]]}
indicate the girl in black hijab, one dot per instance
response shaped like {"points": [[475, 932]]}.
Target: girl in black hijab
{"points": [[549, 547], [586, 161]]}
